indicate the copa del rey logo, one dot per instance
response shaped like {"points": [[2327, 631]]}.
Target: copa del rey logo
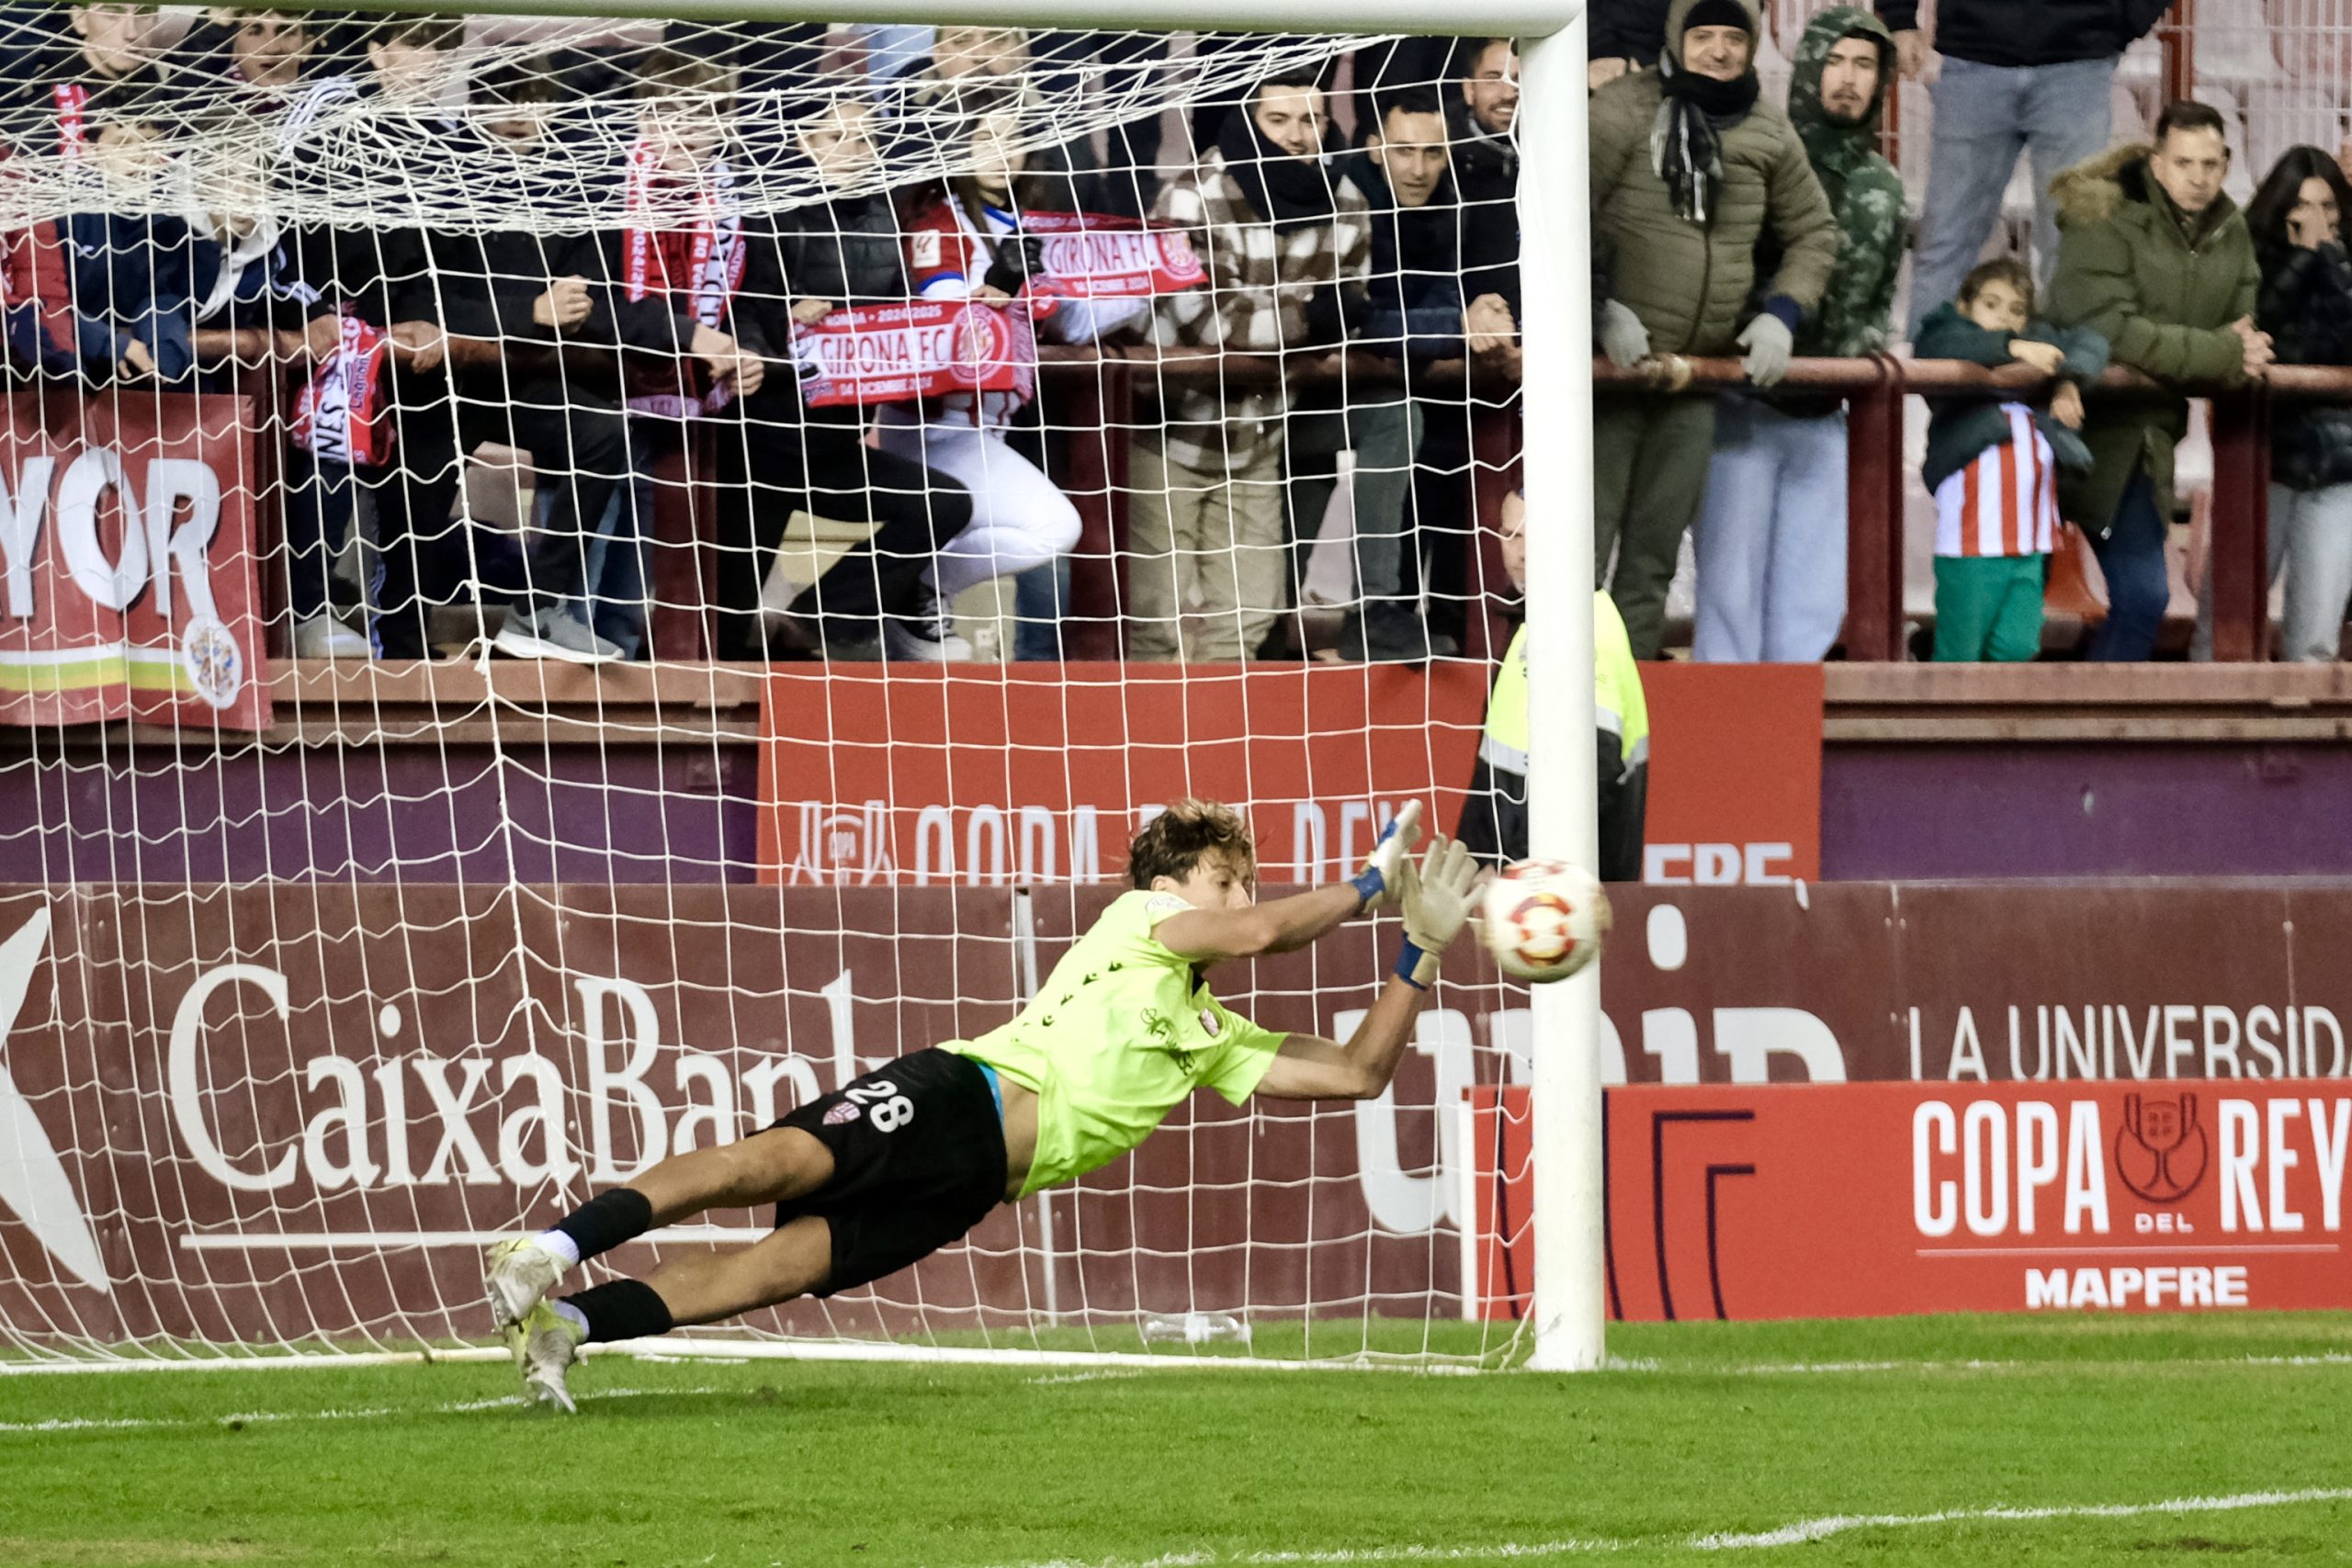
{"points": [[33, 1183], [2160, 1149]]}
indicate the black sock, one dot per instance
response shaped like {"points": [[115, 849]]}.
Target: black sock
{"points": [[624, 1309], [607, 1220]]}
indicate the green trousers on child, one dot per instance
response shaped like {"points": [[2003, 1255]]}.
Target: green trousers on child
{"points": [[1988, 607]]}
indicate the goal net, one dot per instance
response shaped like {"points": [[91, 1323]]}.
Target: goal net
{"points": [[572, 585]]}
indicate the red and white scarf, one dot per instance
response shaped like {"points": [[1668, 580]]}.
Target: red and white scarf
{"points": [[340, 414], [73, 118], [702, 262]]}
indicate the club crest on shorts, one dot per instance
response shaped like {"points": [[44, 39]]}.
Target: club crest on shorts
{"points": [[845, 1111]]}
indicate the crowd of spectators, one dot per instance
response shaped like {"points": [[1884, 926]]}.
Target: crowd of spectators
{"points": [[393, 358], [1738, 227], [1337, 231]]}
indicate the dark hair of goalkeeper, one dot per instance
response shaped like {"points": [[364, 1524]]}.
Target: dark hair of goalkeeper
{"points": [[1190, 831]]}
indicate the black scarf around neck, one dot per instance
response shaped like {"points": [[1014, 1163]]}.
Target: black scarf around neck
{"points": [[1686, 141], [1290, 193]]}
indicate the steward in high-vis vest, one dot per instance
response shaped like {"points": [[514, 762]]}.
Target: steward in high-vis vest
{"points": [[1494, 819]]}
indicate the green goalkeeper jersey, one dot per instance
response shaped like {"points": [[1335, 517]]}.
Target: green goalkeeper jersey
{"points": [[1117, 1038]]}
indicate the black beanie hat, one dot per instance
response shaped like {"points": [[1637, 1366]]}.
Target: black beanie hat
{"points": [[1719, 14]]}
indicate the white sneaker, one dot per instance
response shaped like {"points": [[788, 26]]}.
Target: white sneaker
{"points": [[517, 1273], [925, 639], [323, 637], [552, 634], [546, 1344]]}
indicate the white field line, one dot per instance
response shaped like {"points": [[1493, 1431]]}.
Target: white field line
{"points": [[1816, 1368], [1802, 1532], [1805, 1530], [351, 1412]]}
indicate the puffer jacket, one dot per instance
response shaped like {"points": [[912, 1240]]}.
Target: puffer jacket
{"points": [[2162, 290], [2306, 306], [1688, 282]]}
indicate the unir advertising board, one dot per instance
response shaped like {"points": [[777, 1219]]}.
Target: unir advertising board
{"points": [[1873, 1199]]}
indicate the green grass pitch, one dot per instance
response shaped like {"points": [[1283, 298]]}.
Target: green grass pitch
{"points": [[1944, 1440]]}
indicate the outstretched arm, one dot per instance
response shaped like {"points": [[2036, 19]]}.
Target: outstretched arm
{"points": [[1437, 906], [1310, 1068], [1211, 936]]}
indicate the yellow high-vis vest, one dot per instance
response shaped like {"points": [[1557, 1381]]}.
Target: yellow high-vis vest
{"points": [[1619, 708]]}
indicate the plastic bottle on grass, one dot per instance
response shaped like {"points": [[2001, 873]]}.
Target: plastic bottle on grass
{"points": [[1196, 1328]]}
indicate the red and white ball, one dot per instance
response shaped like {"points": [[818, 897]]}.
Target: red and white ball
{"points": [[1544, 919]]}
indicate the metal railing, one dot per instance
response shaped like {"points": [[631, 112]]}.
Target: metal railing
{"points": [[1095, 390]]}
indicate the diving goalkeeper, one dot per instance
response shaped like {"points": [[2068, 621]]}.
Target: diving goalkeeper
{"points": [[899, 1163]]}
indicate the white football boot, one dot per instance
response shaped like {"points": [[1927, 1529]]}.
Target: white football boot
{"points": [[517, 1273], [546, 1344]]}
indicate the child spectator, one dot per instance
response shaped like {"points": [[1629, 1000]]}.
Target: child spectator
{"points": [[964, 242], [1992, 467], [379, 302], [104, 59], [265, 54], [189, 302], [524, 298]]}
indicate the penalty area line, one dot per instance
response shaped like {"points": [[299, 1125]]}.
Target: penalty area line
{"points": [[1800, 1533]]}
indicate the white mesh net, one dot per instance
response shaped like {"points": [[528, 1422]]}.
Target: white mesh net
{"points": [[573, 586]]}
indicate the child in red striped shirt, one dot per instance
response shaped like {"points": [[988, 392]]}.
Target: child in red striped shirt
{"points": [[1992, 466]]}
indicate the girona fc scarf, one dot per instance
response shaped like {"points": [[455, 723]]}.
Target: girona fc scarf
{"points": [[702, 263], [340, 414], [73, 118]]}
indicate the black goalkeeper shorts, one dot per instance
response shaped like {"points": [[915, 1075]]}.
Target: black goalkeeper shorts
{"points": [[918, 1153]]}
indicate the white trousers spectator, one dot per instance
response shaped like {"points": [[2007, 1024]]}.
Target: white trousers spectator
{"points": [[2310, 537], [1771, 541], [1020, 518]]}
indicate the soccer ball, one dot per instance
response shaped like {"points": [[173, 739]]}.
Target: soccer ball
{"points": [[1544, 919]]}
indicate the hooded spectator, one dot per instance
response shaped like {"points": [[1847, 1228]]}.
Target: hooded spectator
{"points": [[1688, 173], [1771, 540], [2155, 259]]}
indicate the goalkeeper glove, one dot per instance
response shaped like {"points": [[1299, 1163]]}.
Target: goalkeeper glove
{"points": [[1390, 860], [1437, 906]]}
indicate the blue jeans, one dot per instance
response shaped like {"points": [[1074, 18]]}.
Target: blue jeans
{"points": [[1040, 600], [1772, 537], [1985, 116], [2138, 587]]}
